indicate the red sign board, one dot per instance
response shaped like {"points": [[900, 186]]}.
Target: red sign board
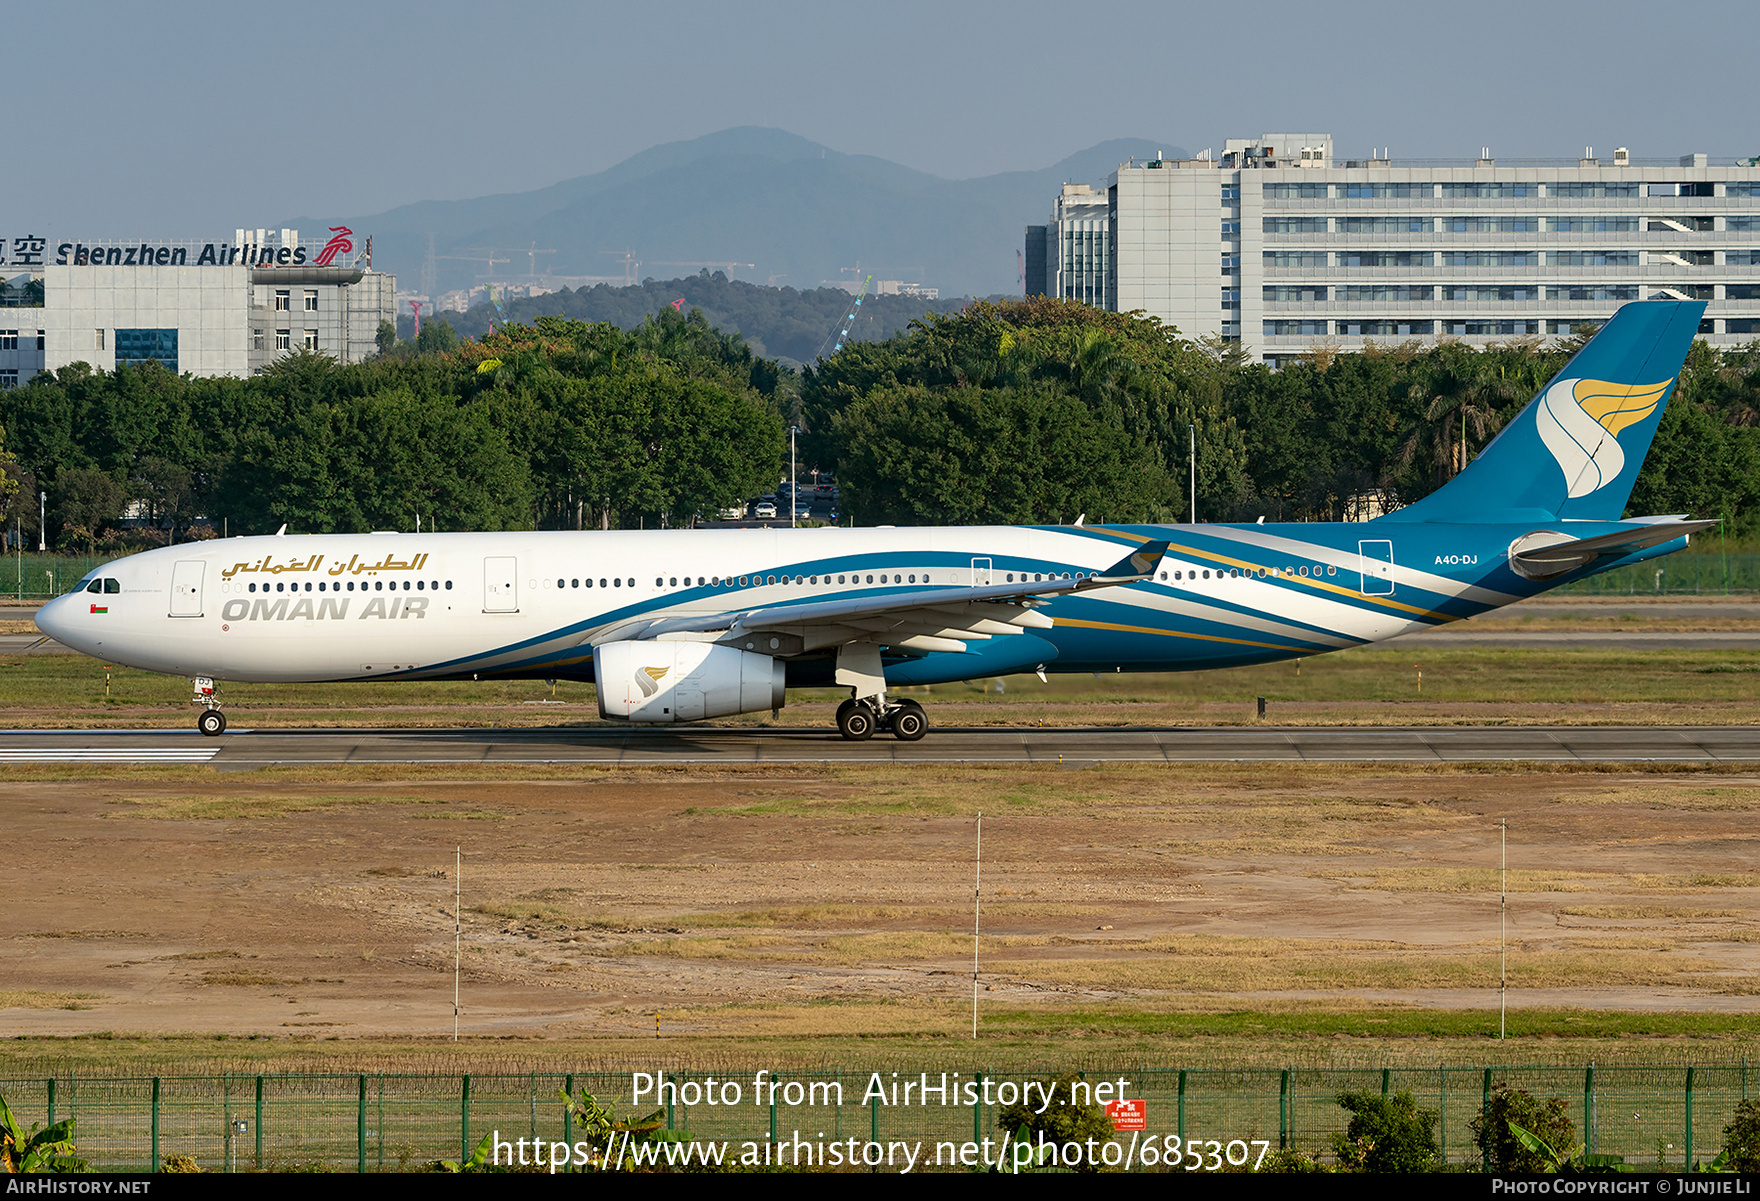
{"points": [[1128, 1115]]}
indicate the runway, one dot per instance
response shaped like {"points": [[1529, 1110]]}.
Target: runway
{"points": [[248, 749]]}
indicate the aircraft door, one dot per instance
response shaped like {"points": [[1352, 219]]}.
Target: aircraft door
{"points": [[980, 572], [501, 585], [186, 588], [1377, 565]]}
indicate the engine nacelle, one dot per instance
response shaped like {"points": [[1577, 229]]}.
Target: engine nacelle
{"points": [[684, 681]]}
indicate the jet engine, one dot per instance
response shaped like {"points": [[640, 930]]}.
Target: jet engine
{"points": [[684, 681]]}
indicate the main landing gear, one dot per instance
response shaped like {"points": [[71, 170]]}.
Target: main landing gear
{"points": [[211, 721], [857, 719]]}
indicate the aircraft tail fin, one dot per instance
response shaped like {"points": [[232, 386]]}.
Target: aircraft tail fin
{"points": [[1576, 449]]}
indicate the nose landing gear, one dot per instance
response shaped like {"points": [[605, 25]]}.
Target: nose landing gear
{"points": [[211, 721]]}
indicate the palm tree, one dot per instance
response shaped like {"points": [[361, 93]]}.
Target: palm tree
{"points": [[1462, 408]]}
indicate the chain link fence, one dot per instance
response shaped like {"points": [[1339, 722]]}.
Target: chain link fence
{"points": [[1655, 1117]]}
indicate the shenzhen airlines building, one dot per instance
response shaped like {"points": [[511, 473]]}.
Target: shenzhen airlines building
{"points": [[205, 308]]}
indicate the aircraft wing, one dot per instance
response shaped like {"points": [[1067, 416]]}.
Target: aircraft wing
{"points": [[1546, 553], [937, 619]]}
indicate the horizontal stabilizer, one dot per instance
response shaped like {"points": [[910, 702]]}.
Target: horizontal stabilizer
{"points": [[1544, 554]]}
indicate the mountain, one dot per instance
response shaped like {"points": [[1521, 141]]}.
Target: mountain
{"points": [[800, 212]]}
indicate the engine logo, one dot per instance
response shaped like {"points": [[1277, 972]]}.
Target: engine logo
{"points": [[648, 679]]}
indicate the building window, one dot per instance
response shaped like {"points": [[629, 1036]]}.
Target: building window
{"points": [[1386, 191], [283, 300], [311, 340], [283, 339], [1490, 258], [1597, 292], [1489, 191], [1274, 329], [1732, 292], [1592, 258], [1231, 229], [1384, 225], [1300, 294], [1529, 293], [1231, 263], [1741, 326], [135, 347], [311, 300], [8, 339], [1295, 191], [1231, 191], [8, 379], [1376, 292], [1386, 258], [256, 339], [1592, 190], [42, 340], [1593, 225], [1231, 298], [1484, 328], [1384, 329], [1300, 258], [1294, 225], [97, 339]]}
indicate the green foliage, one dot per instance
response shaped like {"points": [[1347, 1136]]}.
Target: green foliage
{"points": [[1386, 1134], [1289, 1161], [1741, 1139], [1494, 1133], [778, 323], [1063, 1122], [478, 1161], [385, 337], [38, 1149], [1569, 1158], [598, 1125], [540, 426]]}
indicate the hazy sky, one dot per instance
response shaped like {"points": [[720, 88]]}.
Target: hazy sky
{"points": [[182, 119]]}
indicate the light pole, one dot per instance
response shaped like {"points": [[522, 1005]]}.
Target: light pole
{"points": [[1192, 431], [793, 487], [42, 512]]}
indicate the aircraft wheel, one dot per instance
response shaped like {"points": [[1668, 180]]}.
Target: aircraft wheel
{"points": [[910, 722], [212, 722], [855, 721]]}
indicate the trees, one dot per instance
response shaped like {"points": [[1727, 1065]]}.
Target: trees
{"points": [[1503, 1150], [1386, 1134], [1059, 1122]]}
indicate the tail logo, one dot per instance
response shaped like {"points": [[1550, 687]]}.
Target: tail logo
{"points": [[1580, 422], [648, 679]]}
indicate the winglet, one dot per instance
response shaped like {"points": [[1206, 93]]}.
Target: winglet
{"points": [[1140, 564]]}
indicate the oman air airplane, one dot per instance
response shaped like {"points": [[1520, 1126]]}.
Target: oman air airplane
{"points": [[684, 625]]}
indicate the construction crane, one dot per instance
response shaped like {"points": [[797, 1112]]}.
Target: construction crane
{"points": [[534, 252], [487, 258], [851, 320], [630, 264]]}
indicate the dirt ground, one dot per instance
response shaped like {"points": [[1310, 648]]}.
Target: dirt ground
{"points": [[827, 901]]}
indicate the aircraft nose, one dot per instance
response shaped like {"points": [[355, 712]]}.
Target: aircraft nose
{"points": [[54, 618]]}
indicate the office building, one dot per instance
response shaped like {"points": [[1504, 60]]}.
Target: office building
{"points": [[1278, 245], [206, 308]]}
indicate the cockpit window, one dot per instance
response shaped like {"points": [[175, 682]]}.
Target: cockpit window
{"points": [[112, 587], [95, 586], [85, 583]]}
